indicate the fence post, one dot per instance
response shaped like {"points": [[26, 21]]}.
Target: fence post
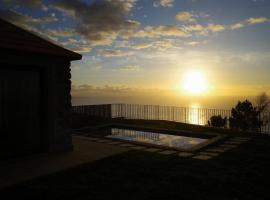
{"points": [[185, 109]]}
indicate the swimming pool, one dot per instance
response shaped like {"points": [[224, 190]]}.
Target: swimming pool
{"points": [[167, 139], [174, 141]]}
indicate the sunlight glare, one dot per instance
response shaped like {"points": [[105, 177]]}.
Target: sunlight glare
{"points": [[194, 83]]}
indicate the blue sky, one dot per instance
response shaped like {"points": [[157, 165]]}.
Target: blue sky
{"points": [[143, 46]]}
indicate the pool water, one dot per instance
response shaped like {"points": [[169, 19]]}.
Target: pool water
{"points": [[154, 138]]}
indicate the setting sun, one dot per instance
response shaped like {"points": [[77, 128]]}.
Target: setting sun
{"points": [[194, 83]]}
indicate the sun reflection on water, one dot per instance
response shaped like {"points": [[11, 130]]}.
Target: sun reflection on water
{"points": [[194, 115]]}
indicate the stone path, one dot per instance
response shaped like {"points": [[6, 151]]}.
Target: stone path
{"points": [[216, 150], [88, 148], [168, 152], [185, 154], [205, 154]]}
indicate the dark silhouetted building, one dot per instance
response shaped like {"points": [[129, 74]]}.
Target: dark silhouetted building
{"points": [[35, 100]]}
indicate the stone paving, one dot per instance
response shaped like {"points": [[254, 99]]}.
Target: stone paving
{"points": [[216, 150], [202, 157], [138, 147], [185, 154], [104, 141], [205, 154], [152, 150], [127, 145], [167, 152], [89, 148], [208, 153], [85, 151], [114, 143]]}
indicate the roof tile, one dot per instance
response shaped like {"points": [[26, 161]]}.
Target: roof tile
{"points": [[16, 38]]}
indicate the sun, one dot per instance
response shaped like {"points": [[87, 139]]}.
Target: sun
{"points": [[194, 83]]}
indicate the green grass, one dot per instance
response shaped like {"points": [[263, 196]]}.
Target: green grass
{"points": [[241, 173]]}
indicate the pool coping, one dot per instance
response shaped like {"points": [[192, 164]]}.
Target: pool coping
{"points": [[215, 136]]}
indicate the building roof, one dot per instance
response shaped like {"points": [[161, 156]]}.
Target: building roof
{"points": [[15, 38]]}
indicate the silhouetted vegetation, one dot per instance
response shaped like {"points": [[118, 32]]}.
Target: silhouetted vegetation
{"points": [[218, 121], [262, 104], [245, 117]]}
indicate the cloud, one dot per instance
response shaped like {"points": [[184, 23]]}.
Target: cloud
{"points": [[130, 68], [142, 46], [98, 67], [237, 26], [86, 90], [60, 32], [121, 44], [195, 27], [164, 44], [28, 3], [159, 31], [25, 20], [185, 16], [193, 43], [113, 53], [215, 27], [204, 30], [164, 3], [257, 20], [82, 49], [30, 23], [78, 45], [248, 22], [101, 22], [196, 43]]}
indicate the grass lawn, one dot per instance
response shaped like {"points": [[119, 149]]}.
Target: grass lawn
{"points": [[241, 173]]}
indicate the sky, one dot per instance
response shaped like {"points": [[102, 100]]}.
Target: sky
{"points": [[150, 47]]}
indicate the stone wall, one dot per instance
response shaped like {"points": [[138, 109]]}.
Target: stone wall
{"points": [[62, 134]]}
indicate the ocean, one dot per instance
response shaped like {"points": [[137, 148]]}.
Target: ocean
{"points": [[216, 102]]}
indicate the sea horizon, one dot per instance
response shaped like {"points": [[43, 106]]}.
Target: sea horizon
{"points": [[216, 102]]}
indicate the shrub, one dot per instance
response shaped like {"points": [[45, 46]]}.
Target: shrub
{"points": [[218, 121], [245, 117]]}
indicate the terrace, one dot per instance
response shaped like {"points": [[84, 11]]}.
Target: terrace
{"points": [[233, 167]]}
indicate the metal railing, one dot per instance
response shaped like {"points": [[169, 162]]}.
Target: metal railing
{"points": [[198, 116]]}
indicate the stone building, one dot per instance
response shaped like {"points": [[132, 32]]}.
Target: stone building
{"points": [[35, 100]]}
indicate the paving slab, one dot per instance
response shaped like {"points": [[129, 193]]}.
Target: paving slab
{"points": [[233, 142], [137, 147], [167, 152], [85, 151], [242, 139], [92, 138], [208, 153], [202, 157], [185, 154], [216, 150], [84, 134], [85, 138], [152, 150], [103, 141], [127, 145], [227, 146], [115, 143]]}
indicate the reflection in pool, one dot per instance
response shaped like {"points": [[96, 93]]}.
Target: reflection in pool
{"points": [[175, 141]]}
